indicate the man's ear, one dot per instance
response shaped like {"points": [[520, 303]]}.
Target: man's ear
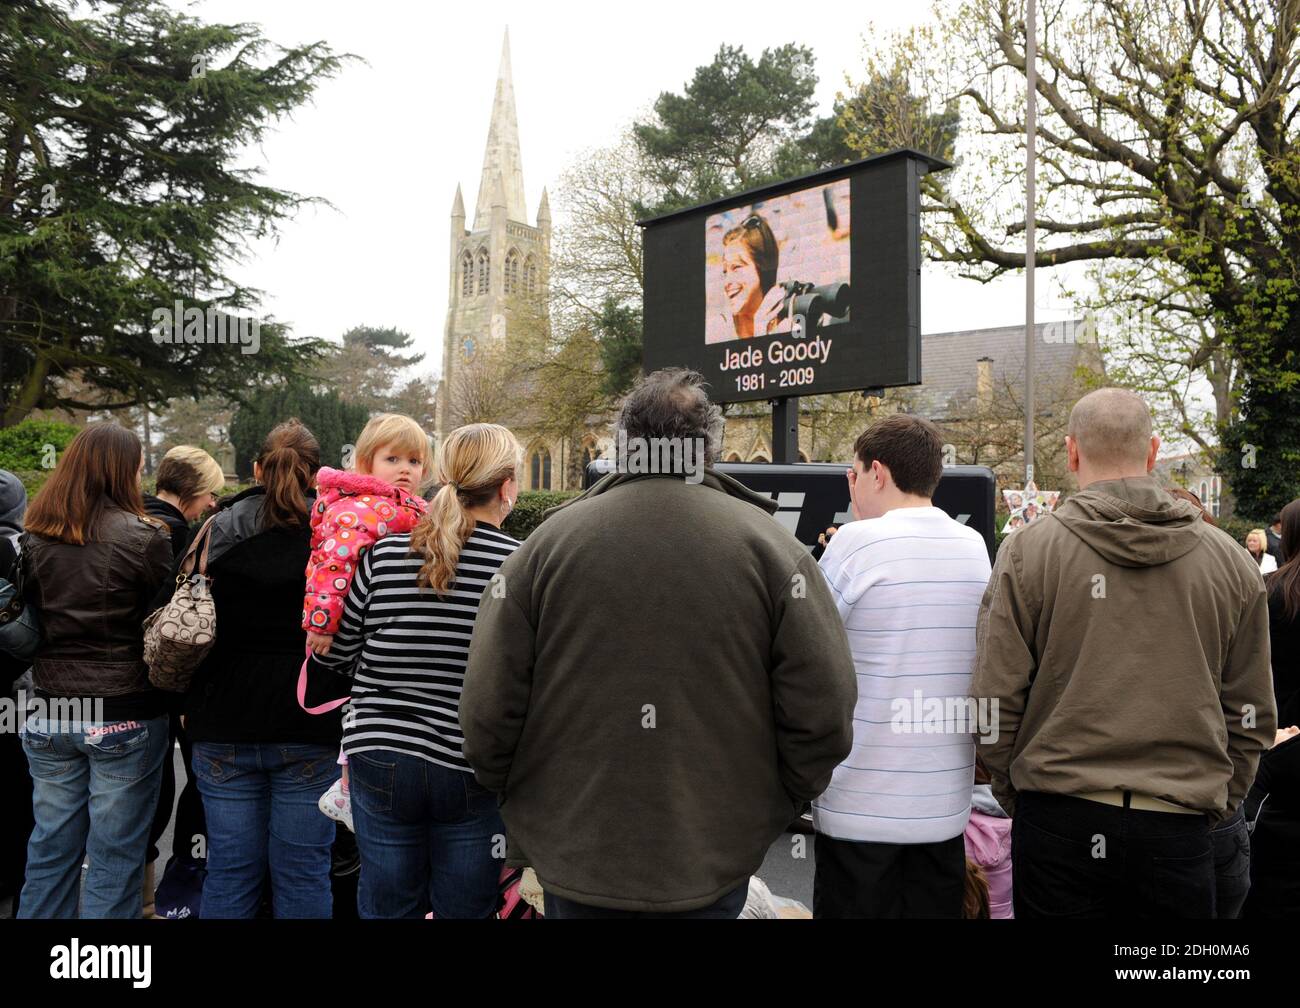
{"points": [[1072, 453], [880, 473], [1153, 452]]}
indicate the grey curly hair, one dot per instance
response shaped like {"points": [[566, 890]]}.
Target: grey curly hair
{"points": [[672, 403]]}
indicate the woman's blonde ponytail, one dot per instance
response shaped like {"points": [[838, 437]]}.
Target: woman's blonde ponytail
{"points": [[472, 464]]}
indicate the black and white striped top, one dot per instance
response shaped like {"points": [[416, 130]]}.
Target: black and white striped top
{"points": [[407, 648]]}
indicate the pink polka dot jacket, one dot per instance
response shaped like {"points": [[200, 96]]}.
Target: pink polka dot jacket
{"points": [[353, 511]]}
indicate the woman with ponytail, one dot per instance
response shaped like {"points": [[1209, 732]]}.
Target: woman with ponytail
{"points": [[428, 833], [262, 762]]}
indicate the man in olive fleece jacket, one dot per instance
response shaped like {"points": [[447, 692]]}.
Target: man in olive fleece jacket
{"points": [[1126, 644], [660, 684]]}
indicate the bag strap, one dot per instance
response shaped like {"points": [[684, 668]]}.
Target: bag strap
{"points": [[204, 537], [324, 708]]}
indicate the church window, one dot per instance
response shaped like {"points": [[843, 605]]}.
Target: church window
{"points": [[530, 275], [483, 271], [466, 275], [512, 272], [541, 469]]}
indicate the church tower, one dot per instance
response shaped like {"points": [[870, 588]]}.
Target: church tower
{"points": [[500, 264]]}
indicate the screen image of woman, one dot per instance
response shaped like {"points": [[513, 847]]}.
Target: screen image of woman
{"points": [[749, 263], [776, 259]]}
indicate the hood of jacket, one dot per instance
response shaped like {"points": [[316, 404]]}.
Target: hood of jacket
{"points": [[13, 503], [988, 839], [357, 483], [1132, 522], [714, 480], [982, 800]]}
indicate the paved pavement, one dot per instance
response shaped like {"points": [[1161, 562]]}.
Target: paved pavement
{"points": [[787, 869]]}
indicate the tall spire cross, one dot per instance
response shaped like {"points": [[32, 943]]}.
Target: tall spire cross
{"points": [[501, 159]]}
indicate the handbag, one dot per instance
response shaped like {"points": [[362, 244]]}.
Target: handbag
{"points": [[20, 628], [178, 636]]}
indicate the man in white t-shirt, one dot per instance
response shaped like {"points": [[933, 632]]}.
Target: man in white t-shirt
{"points": [[907, 580]]}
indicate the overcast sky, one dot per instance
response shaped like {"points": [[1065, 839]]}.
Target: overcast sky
{"points": [[386, 142]]}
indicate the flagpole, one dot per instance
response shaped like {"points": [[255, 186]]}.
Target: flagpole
{"points": [[1031, 143]]}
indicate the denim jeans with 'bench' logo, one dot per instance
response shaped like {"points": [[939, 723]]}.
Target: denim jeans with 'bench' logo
{"points": [[95, 786]]}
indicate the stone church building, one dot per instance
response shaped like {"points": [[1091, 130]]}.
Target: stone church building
{"points": [[500, 267]]}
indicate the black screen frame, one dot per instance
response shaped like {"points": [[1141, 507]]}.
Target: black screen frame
{"points": [[878, 347]]}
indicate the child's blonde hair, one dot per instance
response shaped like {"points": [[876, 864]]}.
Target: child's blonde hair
{"points": [[396, 429]]}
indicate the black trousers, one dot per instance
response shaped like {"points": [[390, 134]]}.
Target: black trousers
{"points": [[16, 820], [727, 908], [1072, 857], [858, 879], [190, 822]]}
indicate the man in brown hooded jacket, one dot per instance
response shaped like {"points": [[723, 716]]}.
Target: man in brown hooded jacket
{"points": [[1125, 644]]}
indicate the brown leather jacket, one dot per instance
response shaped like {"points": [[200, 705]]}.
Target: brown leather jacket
{"points": [[92, 600]]}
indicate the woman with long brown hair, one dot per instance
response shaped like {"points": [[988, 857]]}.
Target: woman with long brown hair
{"points": [[425, 828], [260, 760], [1284, 620], [93, 562]]}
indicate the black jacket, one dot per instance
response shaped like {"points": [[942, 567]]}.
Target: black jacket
{"points": [[1284, 637], [1274, 807], [1273, 545], [10, 668], [91, 600], [244, 692], [179, 528]]}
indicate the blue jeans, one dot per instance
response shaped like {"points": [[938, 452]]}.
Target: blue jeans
{"points": [[95, 786], [259, 800], [430, 838]]}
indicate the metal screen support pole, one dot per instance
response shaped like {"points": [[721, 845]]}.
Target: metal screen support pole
{"points": [[785, 429]]}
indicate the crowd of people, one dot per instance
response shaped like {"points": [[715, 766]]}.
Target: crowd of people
{"points": [[635, 702]]}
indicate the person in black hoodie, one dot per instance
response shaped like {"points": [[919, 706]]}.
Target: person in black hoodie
{"points": [[187, 484], [96, 741], [261, 761]]}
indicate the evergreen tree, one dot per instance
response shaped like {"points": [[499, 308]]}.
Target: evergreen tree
{"points": [[122, 190], [334, 422]]}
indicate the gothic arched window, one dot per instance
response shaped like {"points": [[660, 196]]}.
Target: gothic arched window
{"points": [[467, 275], [512, 271], [541, 469], [530, 275], [483, 271]]}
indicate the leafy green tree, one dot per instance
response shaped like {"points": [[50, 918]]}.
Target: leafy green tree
{"points": [[1168, 164], [122, 191], [618, 334], [335, 423], [365, 367], [736, 125]]}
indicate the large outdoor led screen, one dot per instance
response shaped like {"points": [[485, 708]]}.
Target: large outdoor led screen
{"points": [[806, 287]]}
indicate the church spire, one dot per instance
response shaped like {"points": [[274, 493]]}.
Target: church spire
{"points": [[502, 164]]}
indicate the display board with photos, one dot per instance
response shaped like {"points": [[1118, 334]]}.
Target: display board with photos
{"points": [[1027, 505]]}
